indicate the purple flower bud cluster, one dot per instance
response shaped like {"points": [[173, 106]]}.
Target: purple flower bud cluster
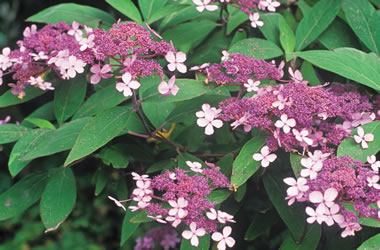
{"points": [[165, 237], [296, 115], [64, 51], [340, 181], [237, 69]]}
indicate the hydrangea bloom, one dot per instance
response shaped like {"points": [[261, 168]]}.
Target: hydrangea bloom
{"points": [[207, 118]]}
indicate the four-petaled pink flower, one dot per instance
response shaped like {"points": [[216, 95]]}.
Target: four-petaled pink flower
{"points": [[176, 61], [224, 217], [373, 181], [143, 188], [270, 5], [40, 56], [325, 200], [5, 62], [285, 123], [138, 177], [174, 219], [204, 65], [167, 88], [157, 218], [100, 73], [312, 168], [225, 56], [75, 31], [178, 207], [296, 190], [204, 4], [252, 85], [264, 156], [296, 75], [195, 166], [87, 42], [362, 118], [350, 229], [315, 215], [206, 118], [193, 234], [302, 136], [73, 66], [281, 102], [375, 165], [224, 239], [127, 85], [254, 18], [142, 201], [29, 31], [363, 138], [332, 215]]}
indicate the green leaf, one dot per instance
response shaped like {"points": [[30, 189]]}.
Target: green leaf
{"points": [[371, 244], [101, 129], [167, 164], [354, 150], [69, 12], [149, 7], [287, 38], [318, 19], [218, 196], [309, 241], [295, 161], [102, 178], [257, 48], [293, 216], [8, 99], [364, 21], [126, 7], [58, 199], [41, 123], [140, 217], [114, 155], [204, 243], [237, 17], [46, 112], [127, 228], [11, 132], [190, 33], [22, 195], [309, 74], [165, 11], [347, 62], [271, 29], [244, 165], [60, 140], [68, 96], [101, 100], [260, 224], [338, 35], [24, 145], [187, 13]]}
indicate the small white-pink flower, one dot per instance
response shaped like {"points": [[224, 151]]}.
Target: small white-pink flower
{"points": [[375, 165], [225, 56], [157, 218], [296, 190], [87, 42], [193, 234], [40, 56], [176, 61], [315, 215], [264, 156], [5, 61], [75, 31], [175, 220], [281, 102], [138, 177], [224, 239], [207, 118], [324, 200], [363, 138], [127, 84], [252, 85], [167, 88], [302, 136], [270, 5], [332, 215], [254, 18], [285, 123], [178, 207], [29, 31], [204, 65], [194, 166], [143, 188], [73, 66], [100, 73], [350, 229], [204, 4], [373, 181], [224, 217], [296, 75]]}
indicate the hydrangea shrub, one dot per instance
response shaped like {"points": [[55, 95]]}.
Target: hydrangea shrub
{"points": [[219, 123]]}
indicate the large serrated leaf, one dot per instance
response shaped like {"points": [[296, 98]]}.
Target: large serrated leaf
{"points": [[100, 130], [60, 140], [348, 62], [26, 144], [244, 165], [364, 21], [22, 195], [58, 199], [257, 48], [317, 20], [354, 150], [69, 12]]}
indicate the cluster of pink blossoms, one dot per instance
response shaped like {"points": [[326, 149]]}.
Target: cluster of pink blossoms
{"points": [[297, 117], [165, 237], [249, 7], [64, 51], [185, 193]]}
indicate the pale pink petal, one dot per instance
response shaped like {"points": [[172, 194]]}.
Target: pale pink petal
{"points": [[181, 68], [181, 57], [209, 129], [316, 197], [230, 242], [271, 157], [221, 245], [217, 236], [170, 57], [202, 122], [211, 7], [258, 157], [194, 241], [217, 123], [290, 181], [330, 194], [187, 234], [163, 88]]}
